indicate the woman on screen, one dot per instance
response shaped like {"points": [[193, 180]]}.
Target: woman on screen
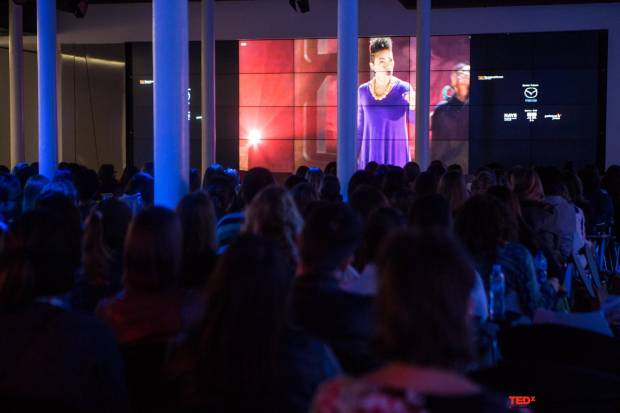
{"points": [[383, 110]]}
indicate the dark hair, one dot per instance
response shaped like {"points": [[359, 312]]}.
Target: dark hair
{"points": [[61, 186], [33, 188], [194, 179], [574, 186], [23, 172], [367, 199], [314, 176], [107, 177], [331, 168], [357, 179], [483, 223], [62, 207], [197, 216], [149, 168], [430, 211], [591, 180], [87, 184], [144, 184], [213, 171], [221, 190], [241, 332], [437, 168], [381, 223], [128, 173], [331, 234], [293, 180], [376, 44], [254, 181], [452, 187], [425, 184], [393, 180], [301, 171], [371, 167], [483, 180], [102, 244], [507, 197], [153, 250], [412, 170], [611, 183], [402, 200], [552, 181], [330, 189], [422, 305], [455, 167], [10, 196], [304, 194], [40, 258]]}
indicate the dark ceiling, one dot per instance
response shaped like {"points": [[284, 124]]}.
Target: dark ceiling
{"points": [[66, 5]]}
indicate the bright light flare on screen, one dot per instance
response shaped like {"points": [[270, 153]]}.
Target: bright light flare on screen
{"points": [[254, 137]]}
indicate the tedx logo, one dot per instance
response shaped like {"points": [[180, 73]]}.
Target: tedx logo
{"points": [[521, 401]]}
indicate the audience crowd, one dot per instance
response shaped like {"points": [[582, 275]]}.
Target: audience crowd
{"points": [[256, 296]]}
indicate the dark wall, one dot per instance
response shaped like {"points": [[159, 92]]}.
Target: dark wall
{"points": [[139, 131], [567, 70]]}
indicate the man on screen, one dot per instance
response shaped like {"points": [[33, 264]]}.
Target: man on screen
{"points": [[450, 121], [384, 105]]}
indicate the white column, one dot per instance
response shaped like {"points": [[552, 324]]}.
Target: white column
{"points": [[171, 127], [207, 74], [347, 91], [60, 138], [423, 82], [16, 83], [46, 60]]}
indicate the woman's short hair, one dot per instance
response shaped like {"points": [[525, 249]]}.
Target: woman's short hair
{"points": [[422, 305], [152, 259], [377, 44]]}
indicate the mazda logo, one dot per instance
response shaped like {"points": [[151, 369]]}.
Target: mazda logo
{"points": [[531, 92]]}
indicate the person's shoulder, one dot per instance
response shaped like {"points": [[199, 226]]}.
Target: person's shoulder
{"points": [[231, 218], [516, 248], [327, 397], [403, 84], [363, 89], [83, 327], [516, 253]]}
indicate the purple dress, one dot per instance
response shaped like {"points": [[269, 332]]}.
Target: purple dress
{"points": [[382, 134]]}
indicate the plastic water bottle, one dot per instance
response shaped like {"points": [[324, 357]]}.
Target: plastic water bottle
{"points": [[540, 263], [497, 289]]}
